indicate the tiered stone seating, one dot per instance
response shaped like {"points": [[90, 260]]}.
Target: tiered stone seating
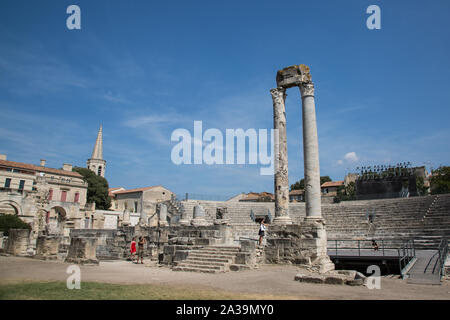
{"points": [[426, 219]]}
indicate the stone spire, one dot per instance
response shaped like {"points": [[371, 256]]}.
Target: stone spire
{"points": [[96, 162], [97, 153]]}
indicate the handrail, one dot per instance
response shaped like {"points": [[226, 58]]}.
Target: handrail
{"points": [[358, 244], [442, 252]]}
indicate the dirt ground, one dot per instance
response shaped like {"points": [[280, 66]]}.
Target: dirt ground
{"points": [[274, 280]]}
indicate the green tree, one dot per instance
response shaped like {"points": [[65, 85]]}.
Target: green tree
{"points": [[97, 188], [300, 185], [10, 221], [440, 180], [422, 190], [345, 193]]}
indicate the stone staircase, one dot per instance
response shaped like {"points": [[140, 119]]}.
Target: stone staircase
{"points": [[209, 259]]}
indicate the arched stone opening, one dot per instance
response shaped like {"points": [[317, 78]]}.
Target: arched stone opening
{"points": [[9, 207], [56, 220]]}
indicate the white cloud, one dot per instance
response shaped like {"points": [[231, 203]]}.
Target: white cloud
{"points": [[351, 157], [340, 162]]}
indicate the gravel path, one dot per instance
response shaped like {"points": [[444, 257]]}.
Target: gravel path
{"points": [[274, 280]]}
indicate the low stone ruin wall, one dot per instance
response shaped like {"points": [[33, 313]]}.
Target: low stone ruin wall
{"points": [[18, 242], [111, 244], [82, 250], [304, 244], [47, 247]]}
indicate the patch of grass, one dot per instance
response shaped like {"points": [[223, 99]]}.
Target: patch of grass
{"points": [[57, 290]]}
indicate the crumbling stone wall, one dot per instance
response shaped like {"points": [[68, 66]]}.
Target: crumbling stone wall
{"points": [[47, 247], [18, 242], [304, 244], [82, 250]]}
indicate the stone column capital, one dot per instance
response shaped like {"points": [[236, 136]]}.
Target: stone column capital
{"points": [[279, 92], [307, 89]]}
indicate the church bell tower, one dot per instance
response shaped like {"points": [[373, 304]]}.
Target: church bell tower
{"points": [[96, 162]]}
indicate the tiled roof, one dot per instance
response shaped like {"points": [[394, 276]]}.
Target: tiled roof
{"points": [[296, 192], [332, 184], [135, 190], [32, 167], [256, 196], [113, 191]]}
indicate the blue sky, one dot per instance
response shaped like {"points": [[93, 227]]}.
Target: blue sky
{"points": [[146, 68]]}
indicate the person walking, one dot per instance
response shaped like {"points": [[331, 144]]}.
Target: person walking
{"points": [[141, 250], [133, 249], [262, 229]]}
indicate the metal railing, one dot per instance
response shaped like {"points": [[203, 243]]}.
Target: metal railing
{"points": [[442, 257], [406, 254], [363, 246]]}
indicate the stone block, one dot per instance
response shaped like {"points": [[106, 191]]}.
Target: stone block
{"points": [[335, 279], [180, 255], [18, 241], [47, 247], [293, 76], [82, 250], [309, 278]]}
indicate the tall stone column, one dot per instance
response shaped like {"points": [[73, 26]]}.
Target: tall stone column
{"points": [[281, 182], [310, 153]]}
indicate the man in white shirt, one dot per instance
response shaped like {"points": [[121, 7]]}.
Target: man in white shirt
{"points": [[262, 229]]}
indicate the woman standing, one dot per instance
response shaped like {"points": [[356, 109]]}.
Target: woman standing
{"points": [[133, 249]]}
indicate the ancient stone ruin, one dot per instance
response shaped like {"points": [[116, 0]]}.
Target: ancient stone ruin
{"points": [[307, 242]]}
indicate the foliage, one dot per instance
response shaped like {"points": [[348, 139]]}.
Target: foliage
{"points": [[440, 180], [97, 188], [345, 193], [300, 185], [10, 221], [422, 190]]}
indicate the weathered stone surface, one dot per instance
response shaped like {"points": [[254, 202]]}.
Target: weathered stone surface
{"points": [[281, 182], [199, 216], [163, 215], [335, 279], [82, 250], [310, 152], [293, 76], [47, 247], [239, 267], [355, 282], [293, 244], [18, 241], [309, 278]]}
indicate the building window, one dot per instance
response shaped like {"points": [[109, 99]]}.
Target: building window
{"points": [[7, 182], [135, 206], [77, 197], [63, 196], [50, 194], [99, 170], [21, 184]]}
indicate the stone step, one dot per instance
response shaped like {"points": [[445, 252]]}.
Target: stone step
{"points": [[195, 269], [210, 255], [203, 263], [200, 266]]}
